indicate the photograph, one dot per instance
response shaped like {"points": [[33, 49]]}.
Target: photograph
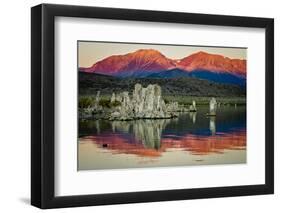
{"points": [[160, 105], [141, 105]]}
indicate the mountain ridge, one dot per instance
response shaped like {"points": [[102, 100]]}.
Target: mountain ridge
{"points": [[150, 60], [90, 83]]}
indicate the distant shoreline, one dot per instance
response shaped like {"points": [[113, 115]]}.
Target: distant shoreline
{"points": [[187, 100]]}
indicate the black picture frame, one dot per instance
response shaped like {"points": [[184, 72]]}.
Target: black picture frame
{"points": [[43, 102]]}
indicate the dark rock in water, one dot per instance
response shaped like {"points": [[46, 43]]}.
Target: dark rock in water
{"points": [[104, 145]]}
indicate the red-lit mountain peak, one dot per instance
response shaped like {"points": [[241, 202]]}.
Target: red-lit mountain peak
{"points": [[212, 62], [140, 60]]}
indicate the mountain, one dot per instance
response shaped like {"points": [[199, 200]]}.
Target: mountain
{"points": [[149, 63], [90, 83], [214, 63], [147, 60], [173, 73], [218, 77]]}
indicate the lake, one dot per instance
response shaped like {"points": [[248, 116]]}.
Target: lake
{"points": [[188, 140]]}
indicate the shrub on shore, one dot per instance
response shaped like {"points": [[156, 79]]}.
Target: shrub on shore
{"points": [[85, 102]]}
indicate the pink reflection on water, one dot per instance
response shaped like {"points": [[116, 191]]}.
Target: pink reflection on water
{"points": [[203, 145], [194, 144]]}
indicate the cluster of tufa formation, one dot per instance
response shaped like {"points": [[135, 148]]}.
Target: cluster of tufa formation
{"points": [[144, 103]]}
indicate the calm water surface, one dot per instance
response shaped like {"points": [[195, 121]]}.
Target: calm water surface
{"points": [[190, 139]]}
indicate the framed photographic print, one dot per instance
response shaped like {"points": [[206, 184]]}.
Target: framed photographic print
{"points": [[140, 106]]}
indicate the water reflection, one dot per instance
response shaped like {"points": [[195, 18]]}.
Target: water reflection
{"points": [[119, 143], [149, 132], [189, 134]]}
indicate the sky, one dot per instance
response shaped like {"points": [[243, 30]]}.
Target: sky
{"points": [[90, 52]]}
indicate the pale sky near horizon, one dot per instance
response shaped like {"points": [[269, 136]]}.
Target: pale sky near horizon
{"points": [[90, 52]]}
